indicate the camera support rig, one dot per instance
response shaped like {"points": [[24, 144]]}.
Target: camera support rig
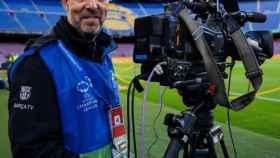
{"points": [[195, 132], [195, 50]]}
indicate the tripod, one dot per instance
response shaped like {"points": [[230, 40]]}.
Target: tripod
{"points": [[195, 133]]}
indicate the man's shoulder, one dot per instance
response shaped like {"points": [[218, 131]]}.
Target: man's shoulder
{"points": [[30, 61], [40, 42]]}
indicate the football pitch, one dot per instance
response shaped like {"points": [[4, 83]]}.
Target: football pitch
{"points": [[256, 129]]}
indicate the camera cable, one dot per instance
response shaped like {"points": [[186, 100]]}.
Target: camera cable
{"points": [[154, 123], [228, 110], [156, 69], [132, 85], [133, 122]]}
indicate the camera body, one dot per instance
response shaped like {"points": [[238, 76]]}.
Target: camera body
{"points": [[163, 37]]}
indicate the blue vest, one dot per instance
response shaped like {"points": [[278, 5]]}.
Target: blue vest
{"points": [[86, 91]]}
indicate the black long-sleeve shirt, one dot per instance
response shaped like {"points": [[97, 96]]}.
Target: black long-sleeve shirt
{"points": [[34, 122]]}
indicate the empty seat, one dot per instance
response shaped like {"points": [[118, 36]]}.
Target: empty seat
{"points": [[20, 5], [49, 5], [2, 5], [52, 18], [33, 22], [8, 23]]}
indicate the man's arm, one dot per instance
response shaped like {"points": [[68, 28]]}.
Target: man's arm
{"points": [[35, 130]]}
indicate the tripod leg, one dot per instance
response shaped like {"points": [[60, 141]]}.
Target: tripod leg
{"points": [[186, 151], [193, 145], [211, 146], [224, 148], [173, 149]]}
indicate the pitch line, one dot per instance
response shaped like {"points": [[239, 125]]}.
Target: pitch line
{"points": [[257, 97], [268, 91]]}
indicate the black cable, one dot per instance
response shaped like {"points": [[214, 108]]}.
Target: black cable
{"points": [[133, 122], [131, 85], [228, 111], [128, 117]]}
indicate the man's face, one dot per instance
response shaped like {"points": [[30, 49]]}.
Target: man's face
{"points": [[86, 15]]}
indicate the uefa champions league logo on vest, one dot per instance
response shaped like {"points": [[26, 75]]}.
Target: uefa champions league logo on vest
{"points": [[83, 86]]}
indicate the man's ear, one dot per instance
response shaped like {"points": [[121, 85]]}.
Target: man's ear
{"points": [[65, 4]]}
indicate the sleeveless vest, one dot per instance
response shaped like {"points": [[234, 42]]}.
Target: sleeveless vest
{"points": [[85, 91]]}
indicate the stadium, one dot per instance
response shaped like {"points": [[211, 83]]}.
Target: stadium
{"points": [[256, 130]]}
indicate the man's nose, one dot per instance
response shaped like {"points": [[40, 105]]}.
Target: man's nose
{"points": [[92, 4]]}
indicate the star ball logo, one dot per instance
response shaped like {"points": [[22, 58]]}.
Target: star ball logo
{"points": [[84, 85], [25, 92]]}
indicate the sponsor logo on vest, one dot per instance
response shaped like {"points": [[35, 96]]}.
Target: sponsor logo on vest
{"points": [[25, 92]]}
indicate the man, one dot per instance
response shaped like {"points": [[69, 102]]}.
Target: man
{"points": [[64, 100]]}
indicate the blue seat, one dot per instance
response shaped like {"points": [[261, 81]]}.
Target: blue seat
{"points": [[1, 5], [53, 18], [33, 22], [20, 5], [50, 5], [8, 24]]}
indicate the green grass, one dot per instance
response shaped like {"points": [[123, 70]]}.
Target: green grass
{"points": [[4, 142], [248, 144], [261, 116], [256, 129]]}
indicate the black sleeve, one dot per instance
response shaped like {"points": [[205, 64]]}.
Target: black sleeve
{"points": [[34, 122]]}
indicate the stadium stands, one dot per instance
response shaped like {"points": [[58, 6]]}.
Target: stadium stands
{"points": [[153, 8], [52, 18], [8, 24], [33, 22], [49, 6], [2, 6], [20, 5], [37, 16], [135, 8]]}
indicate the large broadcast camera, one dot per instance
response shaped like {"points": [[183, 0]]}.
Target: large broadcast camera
{"points": [[190, 43], [180, 37]]}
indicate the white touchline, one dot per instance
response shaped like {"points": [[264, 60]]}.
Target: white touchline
{"points": [[260, 97]]}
